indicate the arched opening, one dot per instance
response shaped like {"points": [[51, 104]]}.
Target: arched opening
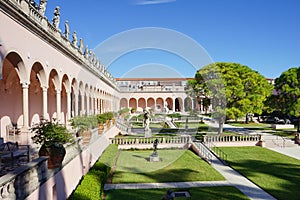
{"points": [[159, 105], [123, 103], [133, 103], [178, 104], [141, 104], [53, 86], [169, 104], [11, 93], [151, 104], [188, 104], [36, 94]]}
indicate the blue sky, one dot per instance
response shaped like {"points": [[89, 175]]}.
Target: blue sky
{"points": [[262, 34]]}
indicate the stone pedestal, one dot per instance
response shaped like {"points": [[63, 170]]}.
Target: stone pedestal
{"points": [[154, 157], [148, 133]]}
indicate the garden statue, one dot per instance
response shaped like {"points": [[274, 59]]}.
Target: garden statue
{"points": [[155, 146], [147, 124], [146, 120]]}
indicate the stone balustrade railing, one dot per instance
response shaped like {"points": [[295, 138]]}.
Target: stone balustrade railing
{"points": [[231, 138], [202, 151], [43, 26], [150, 140], [24, 180], [123, 126]]}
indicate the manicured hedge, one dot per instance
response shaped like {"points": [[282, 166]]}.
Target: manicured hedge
{"points": [[92, 184]]}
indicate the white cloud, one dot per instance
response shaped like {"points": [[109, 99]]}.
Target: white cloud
{"points": [[149, 2]]}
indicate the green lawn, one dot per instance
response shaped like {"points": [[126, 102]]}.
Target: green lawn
{"points": [[290, 133], [275, 173], [205, 193], [176, 165], [261, 126]]}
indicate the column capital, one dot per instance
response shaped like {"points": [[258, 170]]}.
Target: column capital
{"points": [[44, 88], [25, 85]]}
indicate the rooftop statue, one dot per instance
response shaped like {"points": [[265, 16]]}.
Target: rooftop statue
{"points": [[56, 18], [42, 6], [74, 35], [86, 52], [67, 30], [81, 45], [32, 2]]}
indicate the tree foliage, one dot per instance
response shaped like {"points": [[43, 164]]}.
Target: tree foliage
{"points": [[245, 90], [287, 97]]}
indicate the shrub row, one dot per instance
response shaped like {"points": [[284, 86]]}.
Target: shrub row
{"points": [[92, 184]]}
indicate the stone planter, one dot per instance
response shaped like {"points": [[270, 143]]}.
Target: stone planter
{"points": [[55, 153]]}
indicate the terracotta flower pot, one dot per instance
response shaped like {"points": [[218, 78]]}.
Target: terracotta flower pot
{"points": [[86, 136], [100, 129], [55, 153]]}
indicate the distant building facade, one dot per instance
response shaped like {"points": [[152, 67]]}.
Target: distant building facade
{"points": [[157, 94]]}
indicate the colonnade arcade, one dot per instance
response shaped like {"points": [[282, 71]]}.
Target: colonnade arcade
{"points": [[29, 93], [161, 104]]}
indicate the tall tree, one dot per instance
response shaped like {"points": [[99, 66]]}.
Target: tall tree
{"points": [[245, 90], [287, 95]]}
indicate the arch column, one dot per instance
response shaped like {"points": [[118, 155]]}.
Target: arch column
{"points": [[173, 106], [93, 105], [45, 103], [58, 105], [183, 107], [76, 107], [25, 87], [69, 105], [82, 105], [88, 104]]}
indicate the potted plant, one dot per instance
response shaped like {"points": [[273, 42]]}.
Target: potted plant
{"points": [[83, 126], [101, 121], [52, 136]]}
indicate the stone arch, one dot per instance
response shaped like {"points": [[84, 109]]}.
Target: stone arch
{"points": [[53, 87], [159, 104], [123, 103], [74, 98], [11, 95], [132, 103], [65, 91], [151, 103], [188, 104], [169, 103], [38, 83], [178, 104], [141, 104], [80, 98]]}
